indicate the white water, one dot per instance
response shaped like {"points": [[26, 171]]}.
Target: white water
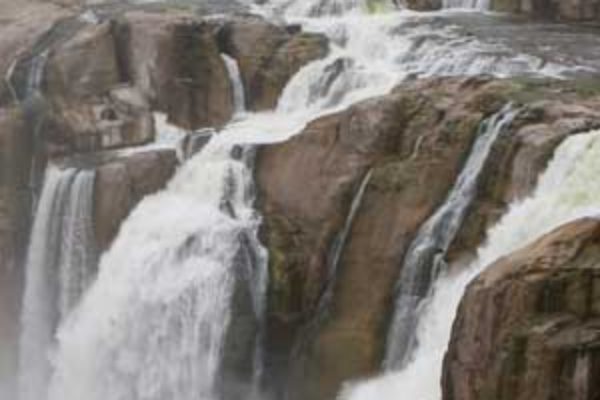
{"points": [[481, 5], [239, 98], [60, 261], [425, 258], [569, 189]]}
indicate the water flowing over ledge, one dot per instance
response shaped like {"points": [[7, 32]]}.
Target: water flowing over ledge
{"points": [[154, 324], [567, 191], [425, 259]]}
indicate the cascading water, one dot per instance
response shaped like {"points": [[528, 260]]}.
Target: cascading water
{"points": [[568, 190], [239, 98], [467, 4], [60, 262], [425, 258], [154, 324], [339, 242]]}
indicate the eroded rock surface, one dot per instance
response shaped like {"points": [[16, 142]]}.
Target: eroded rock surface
{"points": [[529, 326], [415, 141]]}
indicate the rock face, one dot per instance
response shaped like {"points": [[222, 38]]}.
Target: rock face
{"points": [[414, 141], [529, 326], [122, 183], [268, 56], [570, 10], [174, 60], [14, 209]]}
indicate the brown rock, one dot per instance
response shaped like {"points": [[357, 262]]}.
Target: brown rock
{"points": [[22, 23], [83, 66], [175, 62], [268, 56], [424, 5], [571, 10], [122, 183], [307, 185], [121, 118], [529, 326], [14, 215]]}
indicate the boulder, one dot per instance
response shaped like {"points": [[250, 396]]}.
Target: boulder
{"points": [[529, 326], [120, 184]]}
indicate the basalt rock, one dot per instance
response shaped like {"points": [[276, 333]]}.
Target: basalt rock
{"points": [[268, 56], [414, 141], [570, 10], [174, 60], [529, 326]]}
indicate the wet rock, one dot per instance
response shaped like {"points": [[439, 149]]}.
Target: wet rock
{"points": [[268, 56], [307, 185], [83, 66], [21, 25], [424, 5], [174, 60], [122, 183], [571, 10], [15, 203], [415, 141], [529, 326]]}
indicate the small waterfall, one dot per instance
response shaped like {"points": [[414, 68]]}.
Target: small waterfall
{"points": [[239, 98], [568, 190], [62, 246], [78, 256], [425, 258], [153, 325], [337, 248]]}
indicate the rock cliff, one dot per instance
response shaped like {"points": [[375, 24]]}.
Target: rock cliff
{"points": [[529, 326], [414, 142]]}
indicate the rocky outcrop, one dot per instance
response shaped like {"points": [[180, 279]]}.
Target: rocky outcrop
{"points": [[15, 206], [569, 10], [529, 326], [414, 141], [120, 184], [268, 56], [175, 62]]}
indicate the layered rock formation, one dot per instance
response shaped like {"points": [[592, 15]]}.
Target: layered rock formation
{"points": [[570, 10], [414, 141], [529, 327]]}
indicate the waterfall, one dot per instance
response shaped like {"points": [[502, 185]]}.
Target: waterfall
{"points": [[425, 258], [153, 324], [569, 189], [62, 246], [335, 253], [239, 98], [467, 4]]}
